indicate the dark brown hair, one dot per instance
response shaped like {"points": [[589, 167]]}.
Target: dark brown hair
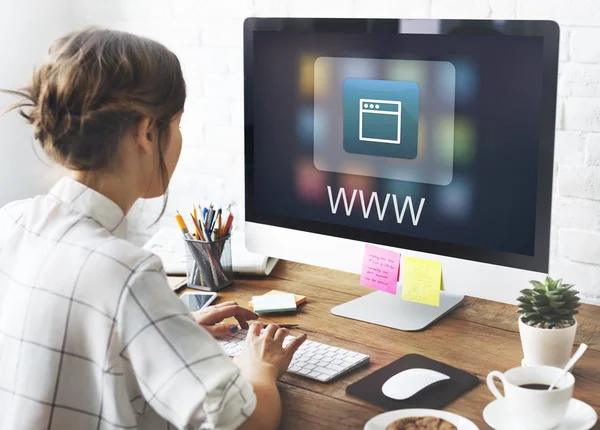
{"points": [[95, 86]]}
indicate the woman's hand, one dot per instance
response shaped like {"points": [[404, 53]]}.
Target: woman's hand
{"points": [[264, 355], [210, 318]]}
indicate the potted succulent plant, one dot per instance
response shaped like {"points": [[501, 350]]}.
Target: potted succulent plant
{"points": [[547, 323]]}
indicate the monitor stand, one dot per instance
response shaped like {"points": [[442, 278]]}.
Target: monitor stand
{"points": [[391, 311]]}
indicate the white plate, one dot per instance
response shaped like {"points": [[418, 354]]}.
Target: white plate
{"points": [[381, 421], [579, 416]]}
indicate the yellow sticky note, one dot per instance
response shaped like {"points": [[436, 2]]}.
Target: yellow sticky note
{"points": [[422, 280]]}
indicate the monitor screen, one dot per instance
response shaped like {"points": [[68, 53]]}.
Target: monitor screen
{"points": [[429, 139]]}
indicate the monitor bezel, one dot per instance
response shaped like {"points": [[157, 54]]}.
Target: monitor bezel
{"points": [[548, 30]]}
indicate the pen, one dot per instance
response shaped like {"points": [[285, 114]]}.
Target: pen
{"points": [[281, 325], [219, 222], [209, 218]]}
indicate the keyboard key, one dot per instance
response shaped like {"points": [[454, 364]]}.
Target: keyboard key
{"points": [[314, 375], [335, 367], [322, 377], [325, 371], [337, 361]]}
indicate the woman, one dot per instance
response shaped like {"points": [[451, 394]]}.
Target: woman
{"points": [[91, 336]]}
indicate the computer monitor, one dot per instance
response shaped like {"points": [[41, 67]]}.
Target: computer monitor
{"points": [[434, 138]]}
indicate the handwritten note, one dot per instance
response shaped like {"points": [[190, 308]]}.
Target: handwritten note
{"points": [[422, 281], [380, 269]]}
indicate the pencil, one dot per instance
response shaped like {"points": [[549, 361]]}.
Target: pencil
{"points": [[219, 223], [199, 234], [229, 224], [205, 230], [182, 226]]}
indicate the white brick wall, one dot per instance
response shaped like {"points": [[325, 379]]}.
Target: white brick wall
{"points": [[207, 36]]}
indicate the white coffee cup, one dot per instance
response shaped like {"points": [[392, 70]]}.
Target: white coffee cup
{"points": [[529, 408]]}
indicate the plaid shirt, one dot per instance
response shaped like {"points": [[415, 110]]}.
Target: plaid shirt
{"points": [[91, 336]]}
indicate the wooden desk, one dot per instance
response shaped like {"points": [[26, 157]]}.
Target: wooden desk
{"points": [[479, 337]]}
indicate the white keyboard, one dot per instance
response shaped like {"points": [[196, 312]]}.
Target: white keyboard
{"points": [[313, 359]]}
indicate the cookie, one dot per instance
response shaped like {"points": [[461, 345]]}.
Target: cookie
{"points": [[420, 423]]}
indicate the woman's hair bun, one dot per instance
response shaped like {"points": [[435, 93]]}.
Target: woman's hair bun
{"points": [[96, 85]]}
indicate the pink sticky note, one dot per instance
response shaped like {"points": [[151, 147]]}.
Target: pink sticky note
{"points": [[380, 269]]}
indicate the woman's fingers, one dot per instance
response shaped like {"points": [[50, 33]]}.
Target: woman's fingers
{"points": [[220, 330], [254, 330], [280, 335], [220, 305], [271, 330], [216, 315], [295, 343]]}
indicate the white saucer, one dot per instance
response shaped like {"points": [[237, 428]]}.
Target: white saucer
{"points": [[523, 364], [579, 416], [381, 421]]}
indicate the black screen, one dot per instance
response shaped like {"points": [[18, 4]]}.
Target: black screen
{"points": [[479, 100]]}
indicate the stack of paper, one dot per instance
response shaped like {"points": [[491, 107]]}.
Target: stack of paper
{"points": [[168, 244], [298, 298], [271, 303]]}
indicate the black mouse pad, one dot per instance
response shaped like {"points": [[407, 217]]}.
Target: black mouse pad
{"points": [[436, 396]]}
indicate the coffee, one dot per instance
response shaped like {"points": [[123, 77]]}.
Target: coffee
{"points": [[542, 387], [529, 403]]}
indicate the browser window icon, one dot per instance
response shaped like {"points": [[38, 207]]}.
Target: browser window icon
{"points": [[381, 118], [380, 121]]}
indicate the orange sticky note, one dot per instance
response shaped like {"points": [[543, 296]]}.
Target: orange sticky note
{"points": [[422, 281], [380, 269]]}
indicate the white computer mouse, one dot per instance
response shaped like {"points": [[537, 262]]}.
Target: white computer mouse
{"points": [[409, 382]]}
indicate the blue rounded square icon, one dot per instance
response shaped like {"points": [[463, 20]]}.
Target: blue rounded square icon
{"points": [[381, 118]]}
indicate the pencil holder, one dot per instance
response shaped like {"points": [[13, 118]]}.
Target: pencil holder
{"points": [[209, 265]]}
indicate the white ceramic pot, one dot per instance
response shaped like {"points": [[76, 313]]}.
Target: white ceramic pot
{"points": [[547, 347]]}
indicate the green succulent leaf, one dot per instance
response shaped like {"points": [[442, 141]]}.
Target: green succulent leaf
{"points": [[550, 302], [538, 285]]}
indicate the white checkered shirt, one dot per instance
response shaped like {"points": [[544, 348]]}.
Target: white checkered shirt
{"points": [[91, 336]]}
